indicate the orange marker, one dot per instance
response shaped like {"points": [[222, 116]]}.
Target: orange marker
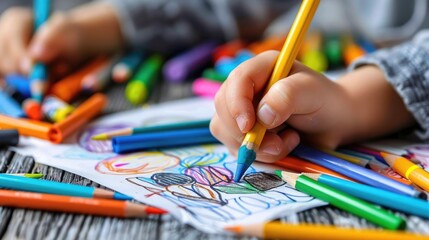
{"points": [[271, 43], [50, 202], [32, 109], [352, 51], [83, 114], [298, 165], [228, 49], [31, 128], [67, 88], [407, 169]]}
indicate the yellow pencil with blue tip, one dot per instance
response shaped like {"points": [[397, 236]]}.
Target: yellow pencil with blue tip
{"points": [[253, 139]]}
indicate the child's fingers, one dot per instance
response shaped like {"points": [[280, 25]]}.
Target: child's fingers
{"points": [[292, 95], [276, 146], [224, 126], [15, 32], [243, 83], [49, 42], [222, 133]]}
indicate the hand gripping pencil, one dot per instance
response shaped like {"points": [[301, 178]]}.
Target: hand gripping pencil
{"points": [[253, 139]]}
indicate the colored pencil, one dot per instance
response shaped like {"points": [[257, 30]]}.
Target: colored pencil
{"points": [[174, 138], [277, 230], [353, 171], [378, 196], [409, 170], [126, 67], [299, 165], [154, 128], [343, 201], [94, 206], [9, 137], [253, 139], [20, 183], [140, 87], [27, 175], [356, 160]]}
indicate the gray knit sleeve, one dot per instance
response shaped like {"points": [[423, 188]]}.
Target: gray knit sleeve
{"points": [[168, 26], [406, 67]]}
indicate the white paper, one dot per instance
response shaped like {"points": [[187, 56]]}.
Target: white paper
{"points": [[193, 183]]}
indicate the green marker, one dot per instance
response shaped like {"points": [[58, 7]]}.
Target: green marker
{"points": [[343, 201], [333, 51], [138, 90], [211, 74]]}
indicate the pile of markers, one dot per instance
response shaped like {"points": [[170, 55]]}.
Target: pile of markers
{"points": [[28, 191]]}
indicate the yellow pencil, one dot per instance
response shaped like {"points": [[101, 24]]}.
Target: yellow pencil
{"points": [[356, 160], [253, 139], [407, 169], [277, 230]]}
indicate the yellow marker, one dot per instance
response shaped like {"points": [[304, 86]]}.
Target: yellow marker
{"points": [[277, 230], [311, 53], [407, 169], [253, 139]]}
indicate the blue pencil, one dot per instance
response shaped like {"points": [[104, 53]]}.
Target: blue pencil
{"points": [[57, 188], [10, 107], [381, 197], [353, 171], [176, 138]]}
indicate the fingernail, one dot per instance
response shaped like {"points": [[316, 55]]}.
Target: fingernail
{"points": [[25, 65], [292, 142], [37, 49], [271, 149], [241, 122], [266, 114]]}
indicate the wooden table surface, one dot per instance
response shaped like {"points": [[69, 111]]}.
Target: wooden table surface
{"points": [[29, 224]]}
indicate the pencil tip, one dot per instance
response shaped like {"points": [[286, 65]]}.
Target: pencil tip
{"points": [[120, 196], [154, 210], [99, 137], [245, 158], [235, 229]]}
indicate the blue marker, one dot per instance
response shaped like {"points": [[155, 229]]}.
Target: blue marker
{"points": [[175, 138], [19, 83], [66, 189], [10, 107], [38, 76]]}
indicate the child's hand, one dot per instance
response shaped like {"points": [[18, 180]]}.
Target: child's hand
{"points": [[305, 101], [64, 41], [16, 26]]}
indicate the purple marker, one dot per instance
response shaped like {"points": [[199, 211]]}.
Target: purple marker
{"points": [[179, 68]]}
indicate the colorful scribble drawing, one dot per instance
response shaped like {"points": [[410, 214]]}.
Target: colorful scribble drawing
{"points": [[419, 153], [85, 141], [202, 186], [137, 163]]}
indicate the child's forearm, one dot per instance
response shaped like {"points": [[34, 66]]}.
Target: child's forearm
{"points": [[100, 25], [377, 108]]}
